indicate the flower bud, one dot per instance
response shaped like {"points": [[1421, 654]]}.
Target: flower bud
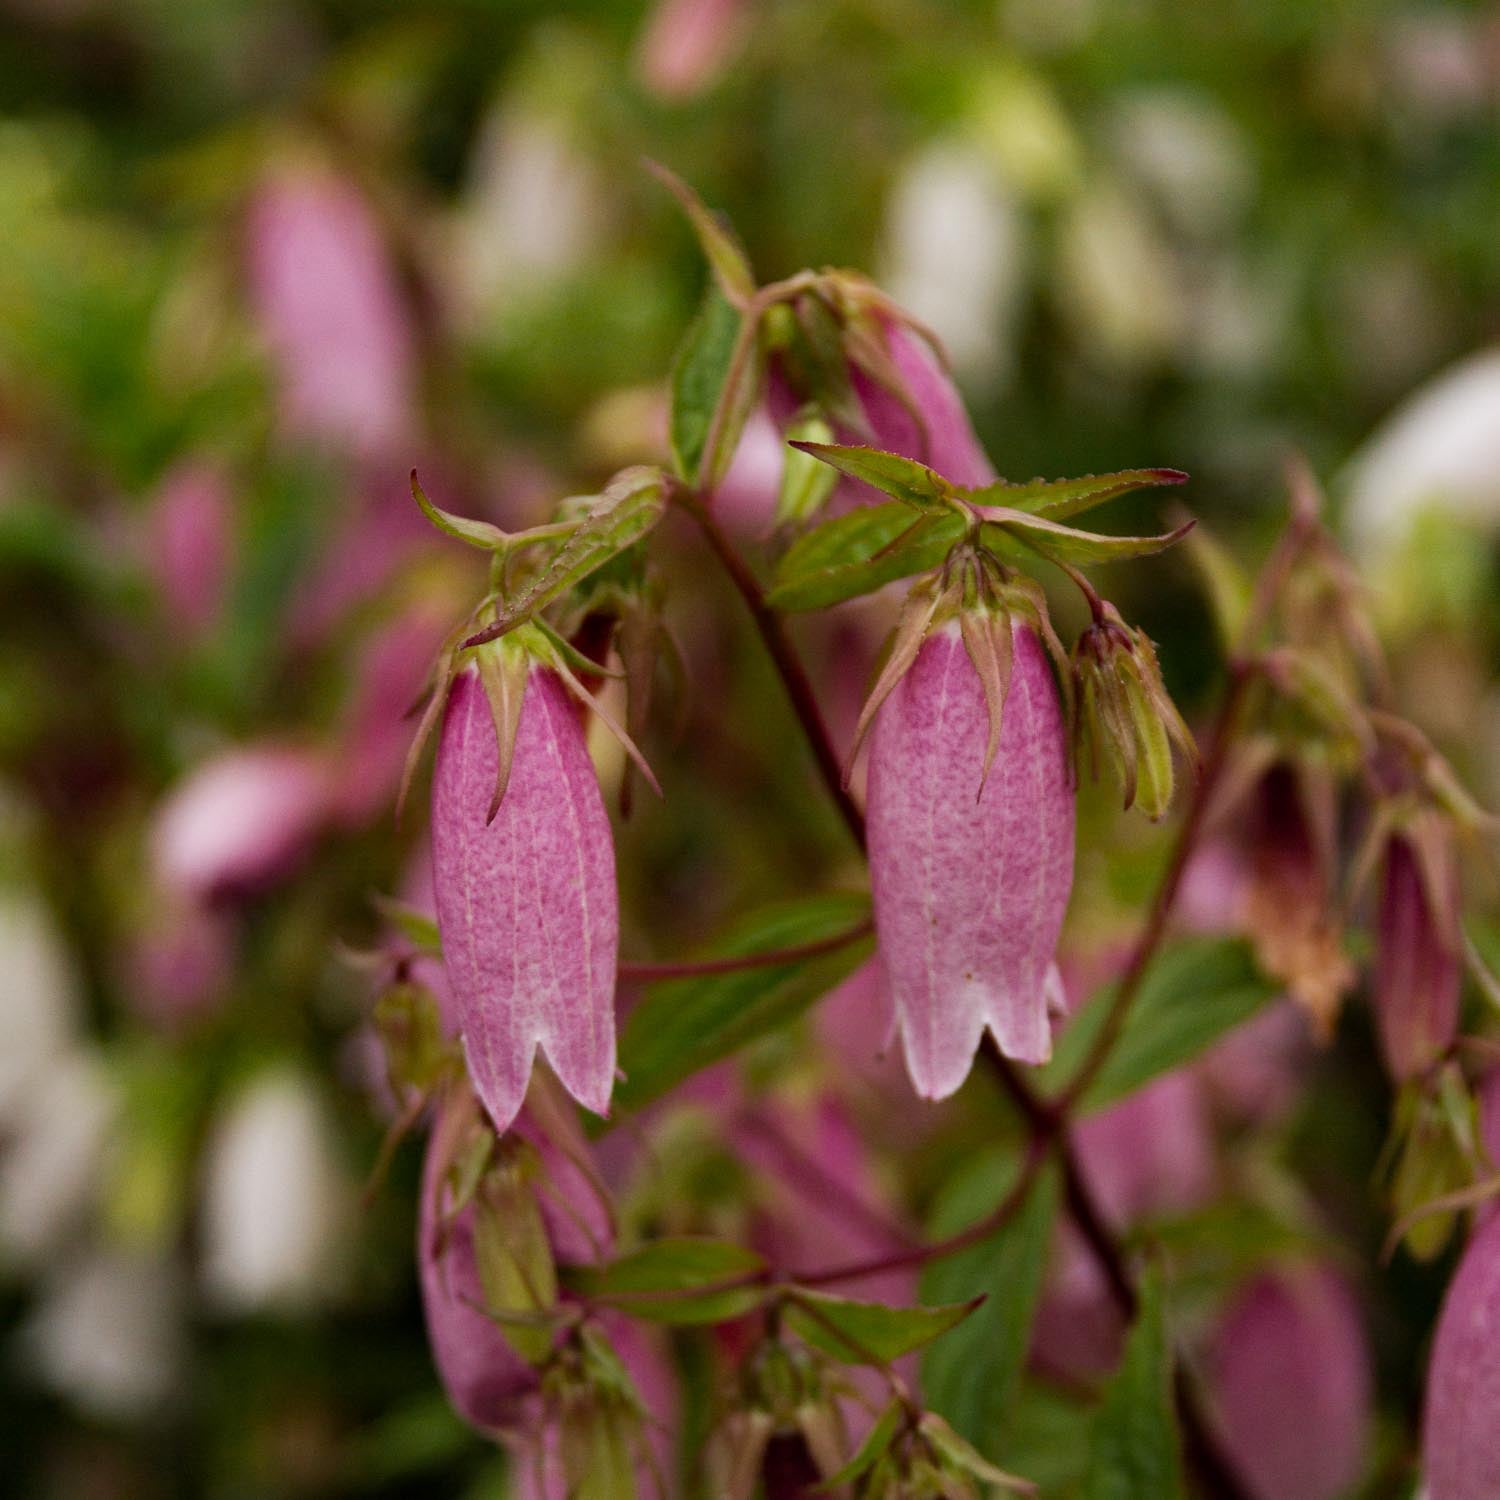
{"points": [[1124, 710], [1460, 1436], [1418, 973], [1290, 1373], [970, 873], [525, 890]]}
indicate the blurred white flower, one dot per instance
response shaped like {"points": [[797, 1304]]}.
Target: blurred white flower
{"points": [[276, 1199], [955, 254], [532, 210], [38, 998], [1440, 450], [53, 1153], [1190, 153], [1118, 281], [108, 1334]]}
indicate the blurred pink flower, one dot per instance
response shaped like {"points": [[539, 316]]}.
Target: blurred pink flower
{"points": [[1290, 1376], [331, 311], [240, 822], [970, 887], [188, 545], [180, 962], [688, 44], [526, 903]]}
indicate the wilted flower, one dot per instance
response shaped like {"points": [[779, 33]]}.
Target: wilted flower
{"points": [[1124, 710], [1290, 1374], [1460, 1437], [524, 875], [971, 853], [331, 311], [240, 822], [1417, 973]]}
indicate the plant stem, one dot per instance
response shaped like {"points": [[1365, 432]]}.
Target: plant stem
{"points": [[788, 665], [767, 958]]}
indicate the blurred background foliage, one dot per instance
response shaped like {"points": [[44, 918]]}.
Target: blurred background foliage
{"points": [[1150, 232]]}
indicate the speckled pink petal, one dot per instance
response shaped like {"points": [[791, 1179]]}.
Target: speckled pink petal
{"points": [[1291, 1381], [970, 889], [485, 1379], [1461, 1433], [526, 905]]}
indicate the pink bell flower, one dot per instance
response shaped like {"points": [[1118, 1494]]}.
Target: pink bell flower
{"points": [[188, 546], [1290, 1374], [526, 900], [1418, 973], [331, 311], [1460, 1436], [970, 872]]}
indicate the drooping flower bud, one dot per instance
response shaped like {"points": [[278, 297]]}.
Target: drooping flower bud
{"points": [[1290, 1374], [1460, 1436], [1418, 972], [1125, 712], [524, 876], [971, 855]]}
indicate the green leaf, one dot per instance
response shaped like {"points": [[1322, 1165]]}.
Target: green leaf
{"points": [[475, 533], [1195, 992], [682, 1025], [971, 1376], [1135, 1450], [903, 479], [860, 552], [875, 1446], [859, 1333], [716, 238], [631, 505], [677, 1280], [1057, 499], [700, 373], [1058, 543]]}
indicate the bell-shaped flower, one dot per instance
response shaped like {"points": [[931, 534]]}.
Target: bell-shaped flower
{"points": [[1290, 1376], [971, 845], [524, 878], [329, 306], [1418, 967], [1460, 1437]]}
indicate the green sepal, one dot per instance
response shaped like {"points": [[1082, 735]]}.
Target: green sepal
{"points": [[903, 479], [1058, 499]]}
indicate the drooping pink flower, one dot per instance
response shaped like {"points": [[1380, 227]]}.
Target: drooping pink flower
{"points": [[1417, 970], [188, 545], [526, 903], [241, 821], [485, 1379], [1460, 1436], [688, 44], [330, 308], [970, 875], [1290, 1376]]}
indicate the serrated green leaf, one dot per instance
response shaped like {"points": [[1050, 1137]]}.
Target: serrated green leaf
{"points": [[677, 1280], [475, 533], [859, 552], [903, 479], [1135, 1449], [631, 505], [1058, 543], [858, 1333], [971, 1375], [1194, 993], [1057, 499], [698, 375], [682, 1025]]}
